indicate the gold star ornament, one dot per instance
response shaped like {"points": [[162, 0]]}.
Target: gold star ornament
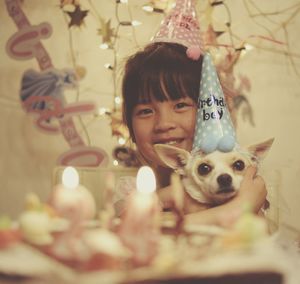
{"points": [[77, 16]]}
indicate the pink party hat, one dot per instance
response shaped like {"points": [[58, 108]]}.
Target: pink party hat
{"points": [[214, 129], [181, 26]]}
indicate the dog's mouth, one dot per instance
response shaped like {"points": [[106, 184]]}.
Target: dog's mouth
{"points": [[226, 190], [223, 194]]}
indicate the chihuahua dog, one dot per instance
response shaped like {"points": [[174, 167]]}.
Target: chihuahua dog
{"points": [[213, 178]]}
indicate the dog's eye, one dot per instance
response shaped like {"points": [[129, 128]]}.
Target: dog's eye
{"points": [[204, 169], [238, 165]]}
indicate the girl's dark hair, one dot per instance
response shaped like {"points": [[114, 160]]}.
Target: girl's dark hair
{"points": [[161, 71]]}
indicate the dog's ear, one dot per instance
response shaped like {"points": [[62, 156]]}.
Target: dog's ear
{"points": [[260, 150], [172, 157]]}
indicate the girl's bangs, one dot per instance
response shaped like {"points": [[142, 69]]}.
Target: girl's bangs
{"points": [[161, 86]]}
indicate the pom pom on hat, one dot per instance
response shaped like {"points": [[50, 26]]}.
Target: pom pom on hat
{"points": [[214, 129], [181, 26], [193, 52]]}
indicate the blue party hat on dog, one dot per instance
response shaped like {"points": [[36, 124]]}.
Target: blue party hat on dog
{"points": [[214, 129]]}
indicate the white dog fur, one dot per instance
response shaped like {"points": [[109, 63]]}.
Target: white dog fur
{"points": [[213, 178]]}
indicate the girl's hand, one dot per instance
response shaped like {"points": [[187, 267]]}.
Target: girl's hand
{"points": [[253, 190], [190, 205]]}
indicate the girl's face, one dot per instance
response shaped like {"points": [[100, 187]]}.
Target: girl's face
{"points": [[169, 122]]}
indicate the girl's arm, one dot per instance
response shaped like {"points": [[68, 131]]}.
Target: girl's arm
{"points": [[252, 192]]}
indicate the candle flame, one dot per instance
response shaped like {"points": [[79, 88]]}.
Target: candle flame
{"points": [[70, 178], [145, 180]]}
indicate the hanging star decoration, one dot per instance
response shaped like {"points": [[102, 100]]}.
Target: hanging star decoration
{"points": [[106, 31], [118, 127], [234, 88], [210, 36], [77, 16]]}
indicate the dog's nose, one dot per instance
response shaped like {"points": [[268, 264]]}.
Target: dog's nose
{"points": [[224, 180]]}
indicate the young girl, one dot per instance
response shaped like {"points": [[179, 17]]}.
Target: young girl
{"points": [[160, 93]]}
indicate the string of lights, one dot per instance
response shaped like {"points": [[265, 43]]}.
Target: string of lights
{"points": [[112, 30]]}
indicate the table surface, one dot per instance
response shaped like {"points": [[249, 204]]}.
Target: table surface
{"points": [[21, 263]]}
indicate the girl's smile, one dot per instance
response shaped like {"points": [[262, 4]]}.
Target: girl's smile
{"points": [[169, 122]]}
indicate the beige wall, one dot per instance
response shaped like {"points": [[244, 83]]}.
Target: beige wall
{"points": [[275, 98]]}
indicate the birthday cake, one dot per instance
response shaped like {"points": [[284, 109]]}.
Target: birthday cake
{"points": [[67, 241], [243, 253]]}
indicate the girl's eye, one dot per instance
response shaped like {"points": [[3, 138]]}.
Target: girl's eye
{"points": [[143, 112], [181, 105], [184, 104]]}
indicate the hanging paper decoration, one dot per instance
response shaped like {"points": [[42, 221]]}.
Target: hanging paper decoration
{"points": [[42, 92], [25, 43], [49, 83], [77, 16]]}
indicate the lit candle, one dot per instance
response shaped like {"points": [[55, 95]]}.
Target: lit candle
{"points": [[72, 200], [140, 226], [75, 203]]}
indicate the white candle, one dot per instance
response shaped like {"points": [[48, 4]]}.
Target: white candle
{"points": [[140, 226], [145, 186], [76, 204], [72, 200]]}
